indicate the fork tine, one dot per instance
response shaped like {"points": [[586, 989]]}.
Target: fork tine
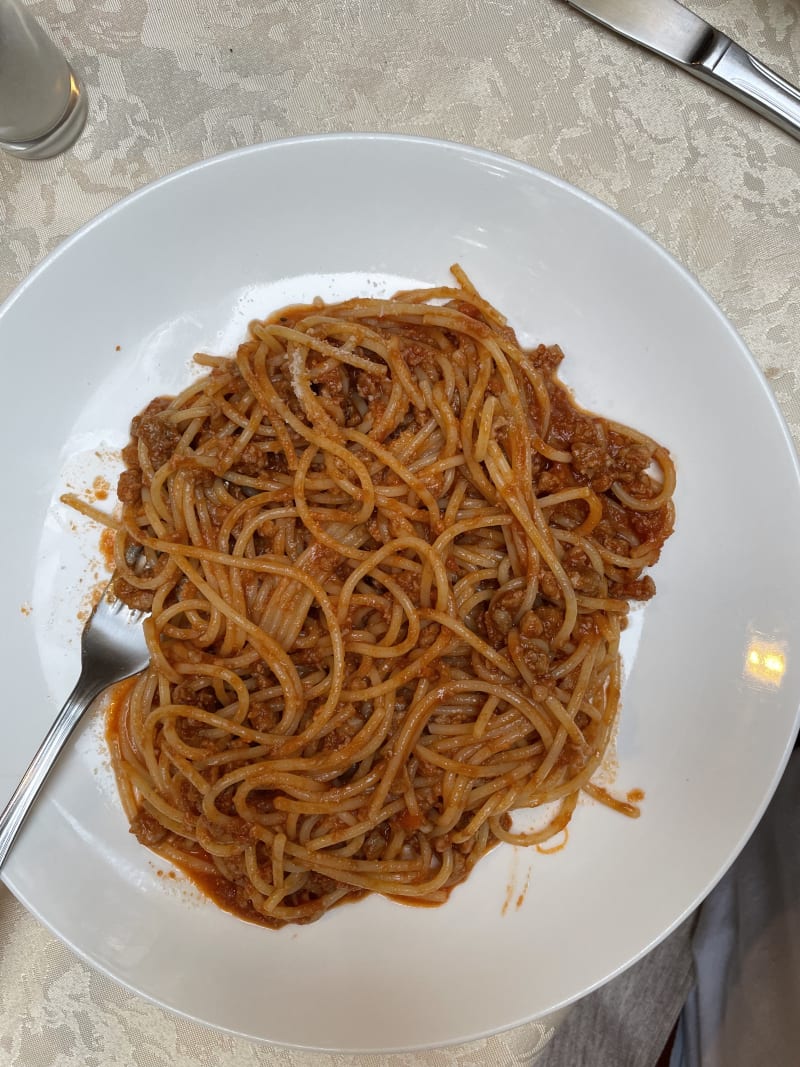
{"points": [[112, 648]]}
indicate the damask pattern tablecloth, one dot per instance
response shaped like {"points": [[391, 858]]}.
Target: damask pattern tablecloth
{"points": [[174, 81]]}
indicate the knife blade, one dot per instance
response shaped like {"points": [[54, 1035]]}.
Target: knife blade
{"points": [[679, 35]]}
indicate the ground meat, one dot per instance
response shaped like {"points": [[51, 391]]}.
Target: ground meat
{"points": [[582, 576], [188, 799], [409, 583], [549, 586], [308, 657], [605, 535], [130, 454], [225, 804], [251, 461], [586, 626], [274, 462], [556, 477], [530, 626], [129, 486], [427, 636], [590, 457], [192, 732], [159, 437], [599, 455], [614, 530], [630, 458], [546, 357], [495, 385], [369, 385], [376, 841], [551, 619], [499, 617], [155, 407], [633, 588], [339, 737], [650, 525], [188, 693], [261, 800], [147, 830], [316, 886], [263, 717], [537, 661], [420, 355], [334, 383], [138, 599]]}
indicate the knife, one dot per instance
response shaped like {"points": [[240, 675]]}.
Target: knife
{"points": [[673, 31]]}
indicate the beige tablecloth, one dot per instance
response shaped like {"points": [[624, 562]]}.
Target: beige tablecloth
{"points": [[173, 81]]}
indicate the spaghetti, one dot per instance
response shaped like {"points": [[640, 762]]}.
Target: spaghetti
{"points": [[387, 561]]}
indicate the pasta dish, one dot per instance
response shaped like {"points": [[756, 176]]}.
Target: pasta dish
{"points": [[388, 561]]}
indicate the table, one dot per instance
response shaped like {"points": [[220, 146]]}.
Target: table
{"points": [[174, 81]]}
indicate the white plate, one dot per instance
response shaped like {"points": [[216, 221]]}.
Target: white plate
{"points": [[713, 665]]}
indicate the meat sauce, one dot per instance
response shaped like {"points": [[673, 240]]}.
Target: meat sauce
{"points": [[600, 457]]}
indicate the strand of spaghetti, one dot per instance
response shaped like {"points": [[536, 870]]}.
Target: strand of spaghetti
{"points": [[390, 549], [578, 693], [280, 663], [324, 864], [72, 500], [464, 585], [476, 474], [317, 531], [596, 792], [391, 417], [480, 646], [268, 399], [417, 714], [364, 338], [494, 459], [652, 503], [535, 837], [473, 769], [498, 802], [288, 606], [293, 575], [584, 493], [413, 671], [291, 774], [234, 447], [535, 380], [483, 521], [392, 463]]}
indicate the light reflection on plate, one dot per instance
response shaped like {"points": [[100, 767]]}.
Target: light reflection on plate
{"points": [[765, 661], [712, 676]]}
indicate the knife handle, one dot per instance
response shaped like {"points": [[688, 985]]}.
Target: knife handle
{"points": [[748, 80]]}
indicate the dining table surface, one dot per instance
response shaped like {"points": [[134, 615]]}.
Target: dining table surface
{"points": [[171, 82]]}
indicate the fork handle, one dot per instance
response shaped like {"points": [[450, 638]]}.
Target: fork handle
{"points": [[16, 810]]}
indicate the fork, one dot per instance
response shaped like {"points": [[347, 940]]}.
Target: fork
{"points": [[112, 648]]}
